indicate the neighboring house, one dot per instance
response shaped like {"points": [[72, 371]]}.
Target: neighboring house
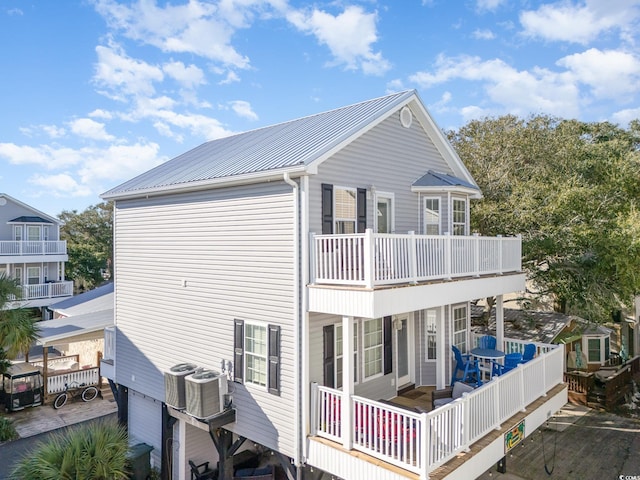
{"points": [[77, 333], [587, 346], [321, 265], [32, 252]]}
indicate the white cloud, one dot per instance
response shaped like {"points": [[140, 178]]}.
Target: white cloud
{"points": [[87, 128], [100, 113], [243, 109], [51, 131], [60, 185], [200, 28], [610, 74], [484, 34], [188, 77], [518, 92], [349, 36], [581, 22], [489, 4], [45, 156], [122, 75], [623, 117], [232, 77]]}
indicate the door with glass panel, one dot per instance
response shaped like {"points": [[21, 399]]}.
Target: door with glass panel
{"points": [[403, 350]]}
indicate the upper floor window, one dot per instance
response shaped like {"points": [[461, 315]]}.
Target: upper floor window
{"points": [[459, 217], [17, 233], [344, 210], [345, 214], [33, 233], [432, 216], [255, 354]]}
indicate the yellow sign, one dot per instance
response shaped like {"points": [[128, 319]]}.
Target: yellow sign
{"points": [[514, 436]]}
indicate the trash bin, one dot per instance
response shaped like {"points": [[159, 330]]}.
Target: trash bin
{"points": [[138, 461]]}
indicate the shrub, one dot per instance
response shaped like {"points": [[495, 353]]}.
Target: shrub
{"points": [[7, 432], [93, 451]]}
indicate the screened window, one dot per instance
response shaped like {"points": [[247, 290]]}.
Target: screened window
{"points": [[593, 345], [430, 334], [460, 328], [339, 354], [432, 216], [373, 347], [255, 350], [345, 212], [459, 217]]}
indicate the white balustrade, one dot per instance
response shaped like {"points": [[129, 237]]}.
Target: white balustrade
{"points": [[422, 442], [85, 376], [370, 259], [40, 247]]}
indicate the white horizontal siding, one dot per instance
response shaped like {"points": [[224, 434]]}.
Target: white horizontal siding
{"points": [[233, 249], [391, 158], [145, 424]]}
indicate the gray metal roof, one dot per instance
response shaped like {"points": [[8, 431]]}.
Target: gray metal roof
{"points": [[436, 179], [296, 143], [100, 298]]}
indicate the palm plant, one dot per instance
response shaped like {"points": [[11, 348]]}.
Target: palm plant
{"points": [[17, 330], [96, 451]]}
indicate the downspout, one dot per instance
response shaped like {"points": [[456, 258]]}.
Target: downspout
{"points": [[297, 315]]}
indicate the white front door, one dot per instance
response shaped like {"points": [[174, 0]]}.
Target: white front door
{"points": [[384, 213], [403, 350]]}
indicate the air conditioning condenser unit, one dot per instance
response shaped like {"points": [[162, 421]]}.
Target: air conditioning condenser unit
{"points": [[205, 391], [174, 389]]}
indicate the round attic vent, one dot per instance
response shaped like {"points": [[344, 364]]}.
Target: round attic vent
{"points": [[406, 117], [3, 201]]}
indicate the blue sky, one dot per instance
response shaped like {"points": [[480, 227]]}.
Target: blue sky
{"points": [[94, 92]]}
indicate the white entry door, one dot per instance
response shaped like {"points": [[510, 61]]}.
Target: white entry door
{"points": [[403, 350]]}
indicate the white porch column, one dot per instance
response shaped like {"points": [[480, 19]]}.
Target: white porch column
{"points": [[347, 380], [180, 450], [441, 353], [499, 322]]}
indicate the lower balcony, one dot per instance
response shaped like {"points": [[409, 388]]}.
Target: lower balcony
{"points": [[41, 294], [458, 440]]}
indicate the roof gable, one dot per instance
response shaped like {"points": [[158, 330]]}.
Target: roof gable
{"points": [[298, 146], [43, 217]]}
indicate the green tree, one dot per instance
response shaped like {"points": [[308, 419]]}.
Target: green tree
{"points": [[95, 451], [89, 237], [18, 331], [571, 189]]}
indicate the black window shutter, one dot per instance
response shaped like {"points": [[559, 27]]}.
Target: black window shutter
{"points": [[388, 339], [327, 209], [328, 356], [361, 205], [238, 351], [274, 359]]}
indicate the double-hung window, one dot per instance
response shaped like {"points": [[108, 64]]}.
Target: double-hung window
{"points": [[345, 213], [372, 347], [33, 233], [430, 334], [460, 323], [257, 354], [432, 216], [459, 216]]}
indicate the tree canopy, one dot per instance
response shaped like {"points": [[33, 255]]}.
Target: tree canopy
{"points": [[89, 237], [571, 189], [18, 330]]}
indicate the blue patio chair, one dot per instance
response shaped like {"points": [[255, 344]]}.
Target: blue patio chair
{"points": [[511, 361], [468, 366], [487, 341], [528, 353]]}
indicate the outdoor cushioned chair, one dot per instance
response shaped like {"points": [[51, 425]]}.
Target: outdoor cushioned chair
{"points": [[448, 395], [467, 365]]}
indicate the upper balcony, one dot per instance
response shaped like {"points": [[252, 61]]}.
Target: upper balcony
{"points": [[33, 251], [351, 274], [42, 294]]}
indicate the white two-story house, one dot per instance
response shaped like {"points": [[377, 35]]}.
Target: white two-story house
{"points": [[31, 252], [321, 266]]}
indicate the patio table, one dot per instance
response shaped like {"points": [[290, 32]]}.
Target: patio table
{"points": [[486, 356]]}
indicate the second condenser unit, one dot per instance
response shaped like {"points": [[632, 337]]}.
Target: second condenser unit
{"points": [[205, 391]]}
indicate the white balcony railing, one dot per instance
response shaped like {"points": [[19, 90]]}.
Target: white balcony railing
{"points": [[33, 248], [369, 259], [45, 290], [421, 442]]}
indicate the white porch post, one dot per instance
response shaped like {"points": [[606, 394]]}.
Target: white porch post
{"points": [[441, 354], [347, 380], [499, 322]]}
